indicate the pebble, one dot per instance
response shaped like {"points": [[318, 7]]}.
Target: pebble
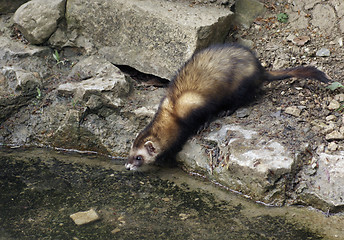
{"points": [[243, 112], [332, 146], [116, 230], [81, 218], [341, 129], [293, 110], [300, 41], [335, 135], [323, 52], [339, 97], [334, 104], [331, 118]]}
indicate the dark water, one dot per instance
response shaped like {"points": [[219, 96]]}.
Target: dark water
{"points": [[39, 189]]}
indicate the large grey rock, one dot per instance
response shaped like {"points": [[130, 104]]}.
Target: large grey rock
{"points": [[96, 76], [248, 10], [324, 189], [7, 6], [38, 19], [243, 161], [152, 36]]}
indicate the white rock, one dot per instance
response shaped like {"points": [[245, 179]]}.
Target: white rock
{"points": [[81, 218], [335, 135], [332, 146]]}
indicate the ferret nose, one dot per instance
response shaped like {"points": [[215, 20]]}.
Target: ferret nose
{"points": [[127, 166]]}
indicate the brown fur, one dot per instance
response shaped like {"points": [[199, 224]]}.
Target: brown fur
{"points": [[217, 79]]}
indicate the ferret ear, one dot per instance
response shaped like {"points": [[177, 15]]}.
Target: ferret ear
{"points": [[150, 147]]}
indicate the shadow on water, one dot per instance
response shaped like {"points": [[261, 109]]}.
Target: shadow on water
{"points": [[41, 188]]}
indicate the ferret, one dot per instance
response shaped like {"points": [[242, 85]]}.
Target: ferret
{"points": [[214, 80]]}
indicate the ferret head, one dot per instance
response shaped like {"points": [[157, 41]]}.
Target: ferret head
{"points": [[142, 154]]}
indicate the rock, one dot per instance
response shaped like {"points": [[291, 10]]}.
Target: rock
{"points": [[81, 218], [243, 112], [323, 52], [116, 230], [248, 10], [331, 118], [335, 135], [10, 49], [143, 111], [246, 162], [339, 6], [334, 104], [332, 146], [154, 37], [339, 97], [325, 189], [341, 25], [341, 129], [293, 110], [10, 6], [38, 19], [321, 12], [17, 87], [300, 41], [298, 20], [102, 79]]}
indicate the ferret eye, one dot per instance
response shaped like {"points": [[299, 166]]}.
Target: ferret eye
{"points": [[139, 158]]}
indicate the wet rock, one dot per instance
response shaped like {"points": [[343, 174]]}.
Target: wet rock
{"points": [[10, 6], [293, 110], [98, 77], [244, 161], [323, 52], [248, 10], [81, 218], [154, 36], [38, 19], [71, 135]]}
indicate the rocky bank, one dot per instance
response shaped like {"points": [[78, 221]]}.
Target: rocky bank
{"points": [[87, 75]]}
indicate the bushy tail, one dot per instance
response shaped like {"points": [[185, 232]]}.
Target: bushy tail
{"points": [[298, 72]]}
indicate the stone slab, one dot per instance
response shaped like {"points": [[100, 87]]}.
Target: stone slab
{"points": [[153, 36], [244, 162]]}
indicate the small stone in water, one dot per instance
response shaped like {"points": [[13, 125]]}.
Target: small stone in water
{"points": [[81, 218]]}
